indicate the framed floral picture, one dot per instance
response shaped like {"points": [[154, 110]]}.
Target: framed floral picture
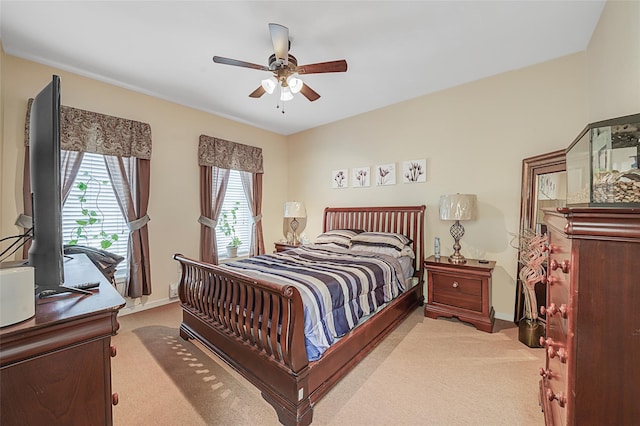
{"points": [[385, 174], [340, 178], [361, 177], [414, 171]]}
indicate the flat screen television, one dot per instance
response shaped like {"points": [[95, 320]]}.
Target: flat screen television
{"points": [[46, 254]]}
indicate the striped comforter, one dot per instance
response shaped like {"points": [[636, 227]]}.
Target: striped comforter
{"points": [[338, 286]]}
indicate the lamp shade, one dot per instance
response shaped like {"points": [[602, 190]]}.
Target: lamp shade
{"points": [[269, 84], [294, 209], [295, 84], [458, 207], [285, 94]]}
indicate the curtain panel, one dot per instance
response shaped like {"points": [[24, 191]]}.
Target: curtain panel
{"points": [[213, 187], [215, 152], [252, 185], [88, 131]]}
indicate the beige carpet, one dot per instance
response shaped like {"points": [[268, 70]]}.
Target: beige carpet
{"points": [[427, 372]]}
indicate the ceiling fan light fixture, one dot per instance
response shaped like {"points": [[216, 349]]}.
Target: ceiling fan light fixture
{"points": [[295, 84], [285, 94], [269, 84]]}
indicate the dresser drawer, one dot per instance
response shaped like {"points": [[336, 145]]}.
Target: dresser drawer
{"points": [[461, 292]]}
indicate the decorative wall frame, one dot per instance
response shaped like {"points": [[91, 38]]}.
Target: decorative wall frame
{"points": [[414, 171], [361, 177], [340, 178], [385, 174]]}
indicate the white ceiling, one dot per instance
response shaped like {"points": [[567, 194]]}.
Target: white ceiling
{"points": [[395, 50]]}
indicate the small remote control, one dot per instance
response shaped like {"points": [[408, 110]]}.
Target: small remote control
{"points": [[86, 286]]}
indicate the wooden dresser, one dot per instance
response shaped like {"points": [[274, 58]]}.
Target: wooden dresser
{"points": [[592, 371], [55, 368]]}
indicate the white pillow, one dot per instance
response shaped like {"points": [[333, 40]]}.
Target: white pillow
{"points": [[339, 237], [406, 251], [390, 243]]}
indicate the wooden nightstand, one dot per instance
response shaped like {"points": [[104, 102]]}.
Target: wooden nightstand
{"points": [[460, 290], [285, 246]]}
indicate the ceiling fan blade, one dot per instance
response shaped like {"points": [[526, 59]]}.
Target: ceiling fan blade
{"points": [[331, 66], [280, 40], [258, 92], [236, 63], [309, 93]]}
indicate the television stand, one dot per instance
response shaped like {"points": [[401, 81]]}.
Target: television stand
{"points": [[40, 382]]}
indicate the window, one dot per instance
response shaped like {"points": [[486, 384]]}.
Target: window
{"points": [[93, 203], [235, 194]]}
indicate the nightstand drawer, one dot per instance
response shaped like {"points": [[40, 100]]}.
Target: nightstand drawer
{"points": [[457, 291]]}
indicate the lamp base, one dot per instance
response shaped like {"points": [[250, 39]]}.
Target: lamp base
{"points": [[457, 258], [294, 227], [457, 231]]}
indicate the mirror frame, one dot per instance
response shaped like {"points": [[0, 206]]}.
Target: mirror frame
{"points": [[533, 167]]}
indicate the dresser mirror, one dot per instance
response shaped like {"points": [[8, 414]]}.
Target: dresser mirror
{"points": [[544, 185]]}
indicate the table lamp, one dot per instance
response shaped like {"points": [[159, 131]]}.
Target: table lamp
{"points": [[457, 207], [294, 210]]}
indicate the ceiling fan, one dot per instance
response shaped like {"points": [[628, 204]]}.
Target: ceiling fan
{"points": [[285, 68]]}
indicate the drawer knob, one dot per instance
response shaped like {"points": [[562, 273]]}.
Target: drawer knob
{"points": [[563, 310], [551, 310], [545, 373], [553, 280], [564, 265], [546, 342], [560, 353], [115, 399], [455, 284], [560, 397], [554, 249], [113, 351]]}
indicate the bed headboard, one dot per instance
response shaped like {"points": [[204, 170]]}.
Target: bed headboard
{"points": [[406, 220]]}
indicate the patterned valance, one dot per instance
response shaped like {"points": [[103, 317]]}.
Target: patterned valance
{"points": [[224, 154], [87, 131]]}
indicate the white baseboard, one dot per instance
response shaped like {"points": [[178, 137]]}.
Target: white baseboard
{"points": [[503, 316], [135, 305]]}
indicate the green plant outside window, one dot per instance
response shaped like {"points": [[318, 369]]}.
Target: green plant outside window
{"points": [[228, 221]]}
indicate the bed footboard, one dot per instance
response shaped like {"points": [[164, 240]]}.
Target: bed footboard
{"points": [[254, 326]]}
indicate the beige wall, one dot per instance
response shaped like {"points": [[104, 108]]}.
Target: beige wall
{"points": [[174, 200], [613, 62], [473, 137]]}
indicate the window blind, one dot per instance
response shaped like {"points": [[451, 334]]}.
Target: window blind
{"points": [[235, 193], [101, 199]]}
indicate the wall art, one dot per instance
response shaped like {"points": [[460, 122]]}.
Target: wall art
{"points": [[340, 178], [414, 171], [361, 177], [385, 174]]}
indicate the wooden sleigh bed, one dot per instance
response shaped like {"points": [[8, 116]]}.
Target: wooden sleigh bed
{"points": [[219, 305]]}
